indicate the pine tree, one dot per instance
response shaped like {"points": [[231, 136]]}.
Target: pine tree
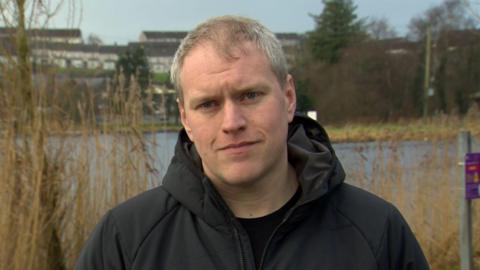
{"points": [[135, 63], [336, 27]]}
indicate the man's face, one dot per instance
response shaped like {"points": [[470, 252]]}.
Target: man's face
{"points": [[236, 113]]}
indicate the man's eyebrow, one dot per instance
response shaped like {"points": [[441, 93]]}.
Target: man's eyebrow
{"points": [[260, 87], [194, 101], [201, 96]]}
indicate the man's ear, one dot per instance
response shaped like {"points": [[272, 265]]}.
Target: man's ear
{"points": [[183, 118], [290, 97]]}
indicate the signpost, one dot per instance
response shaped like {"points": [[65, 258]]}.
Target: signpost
{"points": [[472, 176], [464, 148]]}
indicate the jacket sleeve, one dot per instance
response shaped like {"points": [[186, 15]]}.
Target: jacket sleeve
{"points": [[104, 249], [399, 249]]}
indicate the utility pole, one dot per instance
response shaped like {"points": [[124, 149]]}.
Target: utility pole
{"points": [[426, 82]]}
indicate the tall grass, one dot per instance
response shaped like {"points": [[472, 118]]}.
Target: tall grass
{"points": [[437, 127], [428, 195], [58, 176]]}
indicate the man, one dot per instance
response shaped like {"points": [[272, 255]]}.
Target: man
{"points": [[251, 186]]}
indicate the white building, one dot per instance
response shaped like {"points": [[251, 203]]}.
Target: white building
{"points": [[65, 48], [86, 56], [70, 36], [173, 37]]}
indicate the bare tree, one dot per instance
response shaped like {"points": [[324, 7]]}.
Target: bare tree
{"points": [[20, 16], [94, 39], [30, 232], [450, 15], [380, 29], [473, 6]]}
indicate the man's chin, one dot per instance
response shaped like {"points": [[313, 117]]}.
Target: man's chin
{"points": [[240, 177]]}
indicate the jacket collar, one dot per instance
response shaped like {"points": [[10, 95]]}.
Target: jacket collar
{"points": [[309, 151]]}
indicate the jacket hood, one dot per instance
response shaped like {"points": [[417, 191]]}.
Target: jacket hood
{"points": [[309, 151]]}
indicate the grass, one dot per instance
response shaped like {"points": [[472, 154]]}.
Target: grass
{"points": [[144, 127], [54, 187], [440, 127], [428, 195], [83, 72], [160, 78]]}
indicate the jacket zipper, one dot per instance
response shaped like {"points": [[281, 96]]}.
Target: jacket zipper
{"points": [[268, 243], [245, 264], [287, 216], [243, 259], [284, 220]]}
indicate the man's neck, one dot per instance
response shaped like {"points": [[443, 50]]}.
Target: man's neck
{"points": [[263, 197]]}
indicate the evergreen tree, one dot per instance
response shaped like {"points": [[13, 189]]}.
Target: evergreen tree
{"points": [[335, 29], [135, 63]]}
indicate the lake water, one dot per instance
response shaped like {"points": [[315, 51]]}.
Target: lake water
{"points": [[407, 161], [410, 156]]}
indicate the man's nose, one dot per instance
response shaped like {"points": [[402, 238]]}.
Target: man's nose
{"points": [[233, 118]]}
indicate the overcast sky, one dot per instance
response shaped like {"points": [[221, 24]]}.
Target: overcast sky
{"points": [[122, 21]]}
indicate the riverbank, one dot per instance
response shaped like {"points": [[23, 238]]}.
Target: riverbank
{"points": [[432, 129], [443, 127]]}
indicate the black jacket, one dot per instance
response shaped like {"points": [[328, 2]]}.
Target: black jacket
{"points": [[184, 224]]}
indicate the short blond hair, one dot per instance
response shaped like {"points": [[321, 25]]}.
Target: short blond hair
{"points": [[226, 33]]}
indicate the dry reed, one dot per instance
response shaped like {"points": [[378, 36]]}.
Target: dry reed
{"points": [[427, 193], [58, 178], [438, 127]]}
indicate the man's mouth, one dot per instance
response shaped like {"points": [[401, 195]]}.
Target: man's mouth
{"points": [[239, 145]]}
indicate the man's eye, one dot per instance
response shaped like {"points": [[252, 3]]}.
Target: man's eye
{"points": [[206, 105], [250, 95]]}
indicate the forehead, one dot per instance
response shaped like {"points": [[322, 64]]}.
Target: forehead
{"points": [[212, 53], [208, 64]]}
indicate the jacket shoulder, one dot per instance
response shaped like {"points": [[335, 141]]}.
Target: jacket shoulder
{"points": [[138, 216], [368, 213], [350, 199], [381, 224], [116, 239]]}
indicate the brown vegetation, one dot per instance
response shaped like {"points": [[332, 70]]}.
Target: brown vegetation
{"points": [[384, 80], [428, 195], [54, 185], [441, 127]]}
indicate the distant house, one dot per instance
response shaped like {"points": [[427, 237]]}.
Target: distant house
{"points": [[107, 55], [395, 46], [65, 48], [165, 37], [62, 47], [476, 98], [86, 56], [455, 39], [59, 35], [289, 39], [291, 44], [160, 55]]}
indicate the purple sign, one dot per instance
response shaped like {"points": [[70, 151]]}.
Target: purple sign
{"points": [[472, 176]]}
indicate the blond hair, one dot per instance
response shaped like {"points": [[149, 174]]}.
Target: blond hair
{"points": [[227, 33]]}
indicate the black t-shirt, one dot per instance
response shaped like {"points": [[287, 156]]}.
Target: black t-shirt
{"points": [[260, 229]]}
